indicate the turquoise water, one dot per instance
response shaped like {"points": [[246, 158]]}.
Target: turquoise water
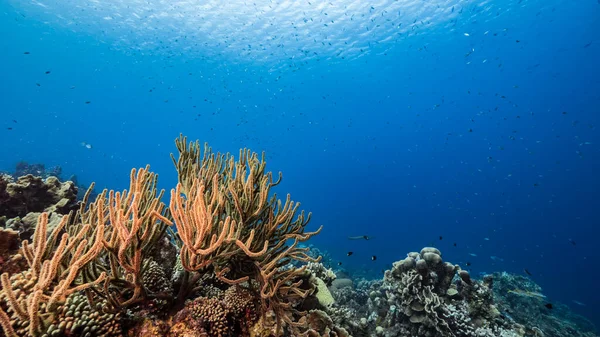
{"points": [[415, 123]]}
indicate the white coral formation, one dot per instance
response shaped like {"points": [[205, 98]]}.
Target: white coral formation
{"points": [[320, 271]]}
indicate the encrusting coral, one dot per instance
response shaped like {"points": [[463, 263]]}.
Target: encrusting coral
{"points": [[96, 273]]}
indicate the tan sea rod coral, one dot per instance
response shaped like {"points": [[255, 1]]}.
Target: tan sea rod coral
{"points": [[106, 269]]}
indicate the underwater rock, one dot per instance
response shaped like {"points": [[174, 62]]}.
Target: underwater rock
{"points": [[523, 301], [26, 226], [342, 283], [465, 276], [321, 325], [34, 194]]}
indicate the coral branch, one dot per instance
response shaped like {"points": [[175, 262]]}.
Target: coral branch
{"points": [[5, 324]]}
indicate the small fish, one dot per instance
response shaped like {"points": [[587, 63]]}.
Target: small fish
{"points": [[548, 305], [572, 242], [526, 293], [14, 120], [349, 253], [86, 145], [360, 237], [486, 239], [527, 272], [579, 303], [589, 43], [9, 128], [88, 102], [373, 258], [440, 237], [467, 34], [473, 254], [454, 244], [47, 72], [468, 264], [26, 53], [339, 263]]}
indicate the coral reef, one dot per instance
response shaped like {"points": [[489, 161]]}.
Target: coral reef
{"points": [[521, 300], [113, 266], [226, 258], [23, 168], [422, 295]]}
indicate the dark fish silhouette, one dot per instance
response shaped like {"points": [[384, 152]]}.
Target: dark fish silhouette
{"points": [[527, 272], [549, 305], [373, 258], [360, 237], [350, 253]]}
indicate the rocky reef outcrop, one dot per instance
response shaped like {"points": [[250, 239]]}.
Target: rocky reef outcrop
{"points": [[422, 295], [22, 200]]}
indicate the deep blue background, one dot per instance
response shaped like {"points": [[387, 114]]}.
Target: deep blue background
{"points": [[405, 146]]}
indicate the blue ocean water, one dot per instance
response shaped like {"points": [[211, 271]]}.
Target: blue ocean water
{"points": [[471, 126]]}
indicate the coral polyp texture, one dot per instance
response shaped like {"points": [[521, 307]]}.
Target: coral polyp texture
{"points": [[225, 257]]}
